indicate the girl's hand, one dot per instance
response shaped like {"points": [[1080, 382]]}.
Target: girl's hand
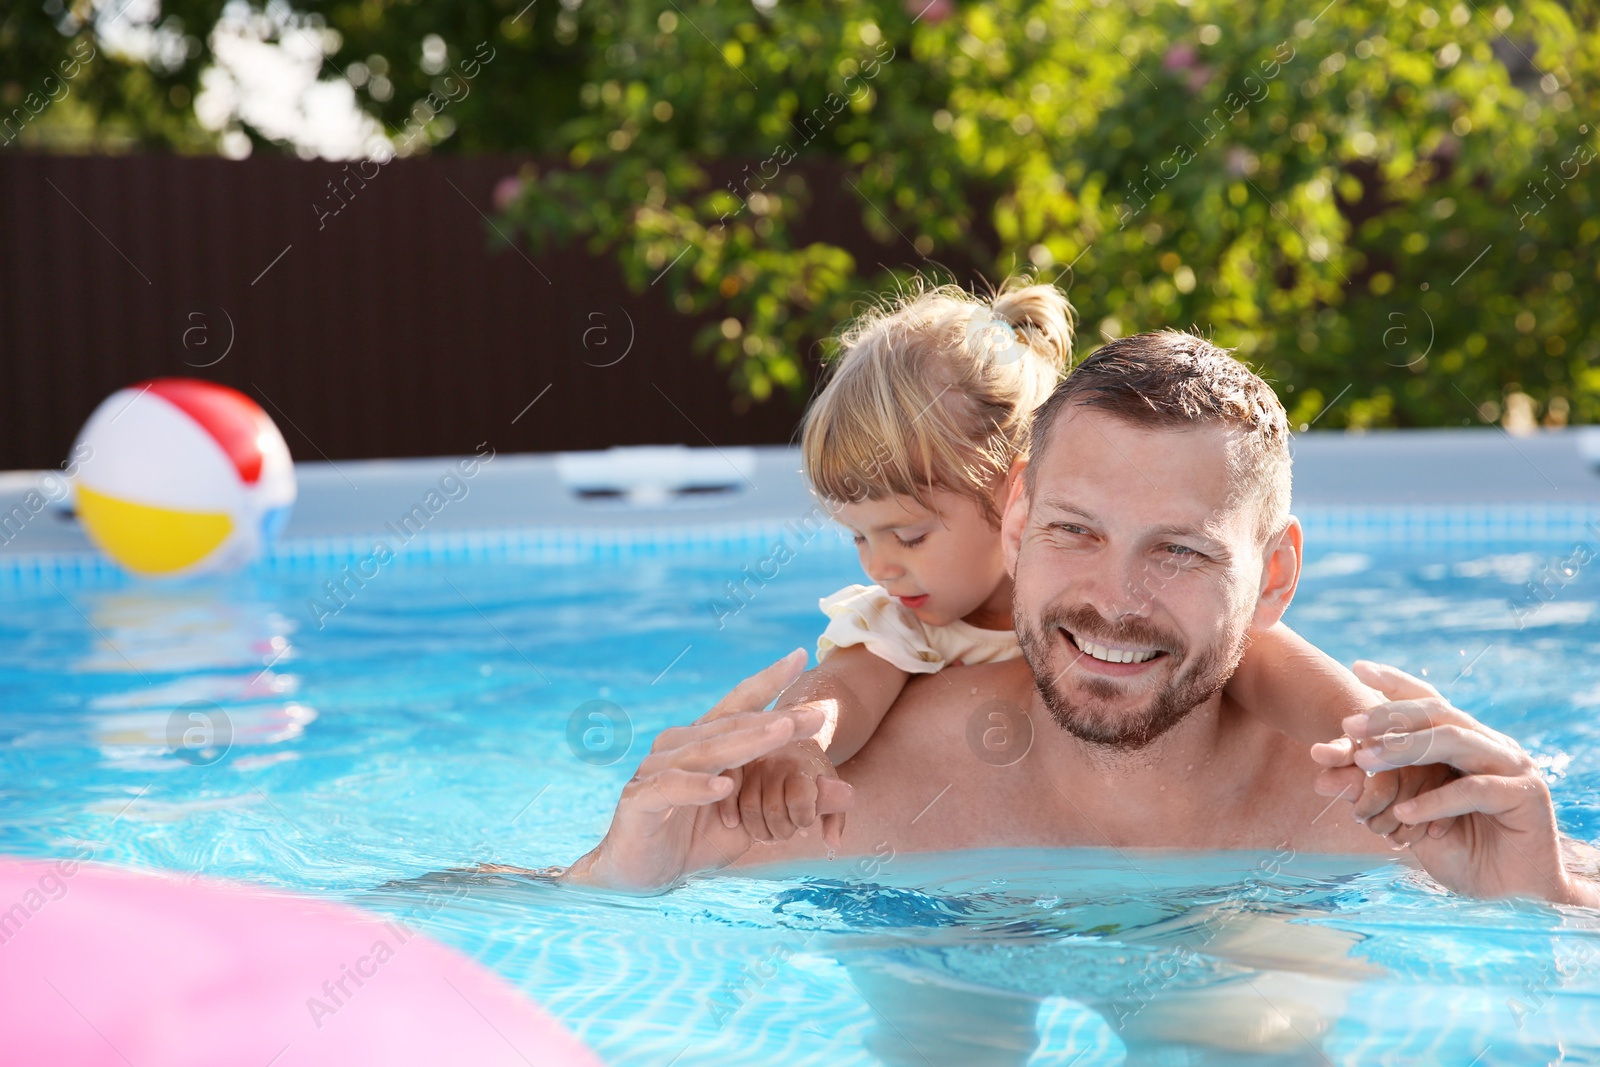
{"points": [[779, 792], [1374, 795]]}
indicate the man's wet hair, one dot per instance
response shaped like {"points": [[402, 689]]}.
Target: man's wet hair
{"points": [[1171, 380]]}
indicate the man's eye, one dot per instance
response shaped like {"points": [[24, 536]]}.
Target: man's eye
{"points": [[1181, 550], [1068, 527]]}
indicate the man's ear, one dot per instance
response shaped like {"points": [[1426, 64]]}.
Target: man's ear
{"points": [[1014, 517], [1280, 575]]}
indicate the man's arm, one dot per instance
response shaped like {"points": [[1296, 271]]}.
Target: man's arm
{"points": [[1296, 687], [1300, 690], [1582, 863]]}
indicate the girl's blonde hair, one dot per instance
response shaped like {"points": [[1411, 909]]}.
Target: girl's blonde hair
{"points": [[934, 391]]}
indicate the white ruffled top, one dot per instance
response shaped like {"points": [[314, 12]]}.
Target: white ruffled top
{"points": [[867, 615]]}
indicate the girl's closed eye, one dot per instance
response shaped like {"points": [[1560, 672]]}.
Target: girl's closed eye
{"points": [[904, 542]]}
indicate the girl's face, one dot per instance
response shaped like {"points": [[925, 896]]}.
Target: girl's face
{"points": [[944, 563]]}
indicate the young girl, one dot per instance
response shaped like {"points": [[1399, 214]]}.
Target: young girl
{"points": [[911, 444]]}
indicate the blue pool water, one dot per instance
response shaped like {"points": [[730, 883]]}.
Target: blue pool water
{"points": [[447, 716]]}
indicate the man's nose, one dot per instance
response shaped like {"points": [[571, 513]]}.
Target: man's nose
{"points": [[1122, 587]]}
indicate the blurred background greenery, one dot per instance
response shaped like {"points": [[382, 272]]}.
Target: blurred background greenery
{"points": [[1389, 208]]}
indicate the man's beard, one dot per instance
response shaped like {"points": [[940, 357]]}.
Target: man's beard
{"points": [[1134, 729]]}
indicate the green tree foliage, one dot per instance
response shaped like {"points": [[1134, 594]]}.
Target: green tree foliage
{"points": [[1388, 206], [61, 88], [1315, 190], [142, 97]]}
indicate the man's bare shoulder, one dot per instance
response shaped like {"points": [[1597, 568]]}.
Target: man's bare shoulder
{"points": [[933, 711], [1280, 796], [925, 732], [918, 755]]}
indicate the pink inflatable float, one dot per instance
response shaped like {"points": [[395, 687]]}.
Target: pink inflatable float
{"points": [[104, 966]]}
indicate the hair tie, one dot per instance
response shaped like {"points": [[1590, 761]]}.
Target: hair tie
{"points": [[993, 339]]}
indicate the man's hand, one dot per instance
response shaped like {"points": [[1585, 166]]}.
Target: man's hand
{"points": [[666, 824], [1494, 828], [779, 794]]}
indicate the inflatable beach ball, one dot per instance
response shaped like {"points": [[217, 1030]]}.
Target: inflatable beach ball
{"points": [[178, 476]]}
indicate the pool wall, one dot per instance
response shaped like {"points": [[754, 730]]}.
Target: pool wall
{"points": [[1387, 487]]}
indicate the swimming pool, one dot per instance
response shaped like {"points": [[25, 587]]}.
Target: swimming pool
{"points": [[454, 713]]}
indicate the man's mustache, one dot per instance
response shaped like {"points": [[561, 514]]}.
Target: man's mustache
{"points": [[1085, 622]]}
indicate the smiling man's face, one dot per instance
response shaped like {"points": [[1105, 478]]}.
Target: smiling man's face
{"points": [[1138, 574]]}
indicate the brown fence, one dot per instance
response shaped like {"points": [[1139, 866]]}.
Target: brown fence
{"points": [[389, 329]]}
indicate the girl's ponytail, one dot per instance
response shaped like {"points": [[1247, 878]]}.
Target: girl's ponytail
{"points": [[1042, 319], [934, 390]]}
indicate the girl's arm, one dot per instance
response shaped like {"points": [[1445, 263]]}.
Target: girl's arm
{"points": [[855, 690], [1296, 687], [778, 793]]}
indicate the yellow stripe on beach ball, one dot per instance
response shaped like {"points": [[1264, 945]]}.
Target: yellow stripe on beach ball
{"points": [[150, 540]]}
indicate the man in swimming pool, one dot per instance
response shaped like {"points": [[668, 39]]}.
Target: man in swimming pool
{"points": [[1153, 520]]}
